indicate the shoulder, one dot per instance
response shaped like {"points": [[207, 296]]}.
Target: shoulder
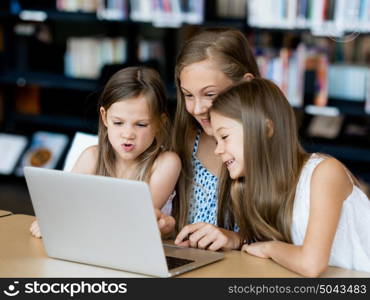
{"points": [[167, 159], [86, 162], [331, 176]]}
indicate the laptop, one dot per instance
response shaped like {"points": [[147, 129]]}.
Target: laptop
{"points": [[106, 222]]}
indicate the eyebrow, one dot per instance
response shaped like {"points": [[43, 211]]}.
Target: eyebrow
{"points": [[139, 120], [219, 128], [206, 87]]}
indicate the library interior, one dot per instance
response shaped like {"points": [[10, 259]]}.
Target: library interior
{"points": [[56, 56]]}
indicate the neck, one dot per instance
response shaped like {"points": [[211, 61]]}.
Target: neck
{"points": [[125, 168], [208, 139]]}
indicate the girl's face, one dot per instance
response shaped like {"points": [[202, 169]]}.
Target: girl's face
{"points": [[229, 136], [201, 82], [130, 128]]}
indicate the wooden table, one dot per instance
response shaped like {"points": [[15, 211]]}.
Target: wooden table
{"points": [[4, 213], [21, 255]]}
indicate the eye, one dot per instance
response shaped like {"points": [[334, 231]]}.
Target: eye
{"points": [[142, 125], [224, 137], [211, 95], [186, 95], [117, 123]]}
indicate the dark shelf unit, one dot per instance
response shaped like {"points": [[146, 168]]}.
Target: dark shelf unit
{"points": [[18, 74], [48, 80]]}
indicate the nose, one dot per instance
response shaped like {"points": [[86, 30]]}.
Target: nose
{"points": [[201, 107], [128, 132], [219, 149]]}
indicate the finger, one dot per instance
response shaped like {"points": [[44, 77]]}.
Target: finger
{"points": [[161, 223], [206, 241], [33, 224], [185, 244], [188, 229], [205, 233], [218, 244], [158, 213], [245, 248]]}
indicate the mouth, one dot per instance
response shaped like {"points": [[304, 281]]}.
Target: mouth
{"points": [[229, 162], [205, 121], [128, 147]]}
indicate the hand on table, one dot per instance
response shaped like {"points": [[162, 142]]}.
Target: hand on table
{"points": [[35, 229], [166, 223], [207, 236], [257, 249]]}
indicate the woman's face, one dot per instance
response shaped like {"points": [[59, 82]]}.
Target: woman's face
{"points": [[200, 83]]}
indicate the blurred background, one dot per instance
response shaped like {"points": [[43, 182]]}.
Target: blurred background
{"points": [[56, 55]]}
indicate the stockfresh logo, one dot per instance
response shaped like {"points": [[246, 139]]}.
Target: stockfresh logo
{"points": [[12, 291]]}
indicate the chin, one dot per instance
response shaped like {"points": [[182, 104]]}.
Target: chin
{"points": [[235, 175], [208, 130]]}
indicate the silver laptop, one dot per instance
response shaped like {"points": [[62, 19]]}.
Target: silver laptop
{"points": [[106, 222]]}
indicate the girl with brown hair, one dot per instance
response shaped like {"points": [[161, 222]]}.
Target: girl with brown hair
{"points": [[207, 64], [134, 138], [302, 210]]}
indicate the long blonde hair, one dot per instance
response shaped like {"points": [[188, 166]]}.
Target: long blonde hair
{"points": [[261, 202], [130, 83], [231, 52]]}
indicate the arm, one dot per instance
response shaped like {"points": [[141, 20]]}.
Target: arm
{"points": [[330, 186], [208, 236], [164, 177], [85, 164]]}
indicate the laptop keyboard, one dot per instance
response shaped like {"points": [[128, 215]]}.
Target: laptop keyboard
{"points": [[175, 262]]}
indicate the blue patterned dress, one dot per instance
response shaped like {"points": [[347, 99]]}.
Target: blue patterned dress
{"points": [[203, 201]]}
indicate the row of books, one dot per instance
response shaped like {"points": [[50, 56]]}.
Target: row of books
{"points": [[231, 9], [104, 9], [287, 68], [167, 13], [150, 50], [162, 13], [323, 17], [43, 149], [86, 56]]}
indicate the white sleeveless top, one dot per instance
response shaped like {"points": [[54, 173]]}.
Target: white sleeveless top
{"points": [[351, 246]]}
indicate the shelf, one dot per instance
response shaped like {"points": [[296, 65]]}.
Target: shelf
{"points": [[30, 15], [340, 152], [73, 123], [48, 80]]}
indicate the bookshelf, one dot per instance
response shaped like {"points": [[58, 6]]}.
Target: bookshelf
{"points": [[36, 35]]}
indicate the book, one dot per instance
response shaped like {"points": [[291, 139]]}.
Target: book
{"points": [[367, 101], [325, 126], [334, 18], [11, 148], [44, 151]]}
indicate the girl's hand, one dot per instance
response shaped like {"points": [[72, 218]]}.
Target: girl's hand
{"points": [[258, 249], [207, 236], [166, 223], [35, 229]]}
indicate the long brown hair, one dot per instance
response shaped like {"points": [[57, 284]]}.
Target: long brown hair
{"points": [[130, 83], [261, 202], [231, 52]]}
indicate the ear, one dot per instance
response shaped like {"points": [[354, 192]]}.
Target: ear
{"points": [[270, 128], [248, 76], [164, 118], [103, 114]]}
